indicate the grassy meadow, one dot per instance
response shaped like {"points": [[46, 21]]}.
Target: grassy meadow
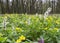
{"points": [[15, 28]]}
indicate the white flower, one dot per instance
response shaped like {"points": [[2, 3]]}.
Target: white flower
{"points": [[4, 23], [36, 14], [47, 12]]}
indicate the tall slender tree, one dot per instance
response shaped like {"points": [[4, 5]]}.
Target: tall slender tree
{"points": [[12, 7], [58, 6], [0, 6], [32, 6], [7, 6]]}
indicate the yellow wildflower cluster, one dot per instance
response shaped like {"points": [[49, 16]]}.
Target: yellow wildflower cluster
{"points": [[57, 22], [19, 29], [46, 18], [56, 29], [46, 28], [21, 38], [49, 19]]}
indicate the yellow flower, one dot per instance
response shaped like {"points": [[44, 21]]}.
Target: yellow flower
{"points": [[18, 41], [47, 18], [19, 29], [22, 37], [56, 29], [46, 28], [57, 22]]}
